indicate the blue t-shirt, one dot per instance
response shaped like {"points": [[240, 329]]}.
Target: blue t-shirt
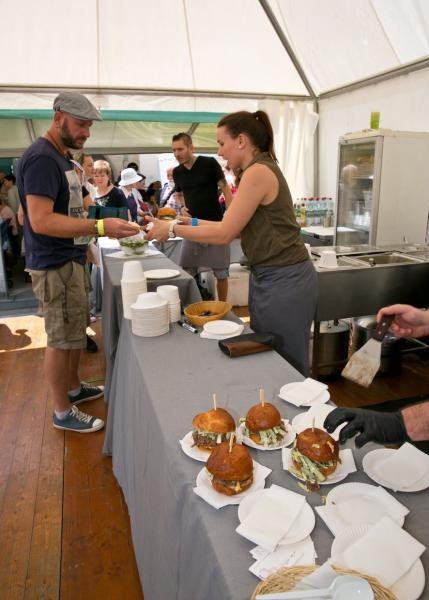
{"points": [[43, 171]]}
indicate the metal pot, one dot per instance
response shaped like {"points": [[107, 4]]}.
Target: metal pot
{"points": [[363, 330], [332, 348]]}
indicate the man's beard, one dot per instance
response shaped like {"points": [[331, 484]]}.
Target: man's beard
{"points": [[69, 141]]}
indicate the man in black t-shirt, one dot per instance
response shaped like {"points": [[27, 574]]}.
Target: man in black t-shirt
{"points": [[197, 180], [56, 237]]}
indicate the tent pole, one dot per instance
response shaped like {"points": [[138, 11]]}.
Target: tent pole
{"points": [[316, 152], [123, 91], [285, 43], [412, 67]]}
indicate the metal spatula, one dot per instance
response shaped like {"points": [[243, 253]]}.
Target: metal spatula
{"points": [[364, 364]]}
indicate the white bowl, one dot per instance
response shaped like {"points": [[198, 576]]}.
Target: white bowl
{"points": [[134, 244], [149, 300]]}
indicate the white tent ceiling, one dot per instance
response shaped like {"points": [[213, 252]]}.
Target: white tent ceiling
{"points": [[223, 46]]}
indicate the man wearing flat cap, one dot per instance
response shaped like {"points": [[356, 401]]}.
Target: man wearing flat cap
{"points": [[56, 237]]}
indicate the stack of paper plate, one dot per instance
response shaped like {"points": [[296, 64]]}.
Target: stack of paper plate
{"points": [[150, 316]]}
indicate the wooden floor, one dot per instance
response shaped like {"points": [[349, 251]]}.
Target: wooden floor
{"points": [[64, 528]]}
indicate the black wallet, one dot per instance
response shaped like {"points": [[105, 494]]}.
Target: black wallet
{"points": [[248, 343]]}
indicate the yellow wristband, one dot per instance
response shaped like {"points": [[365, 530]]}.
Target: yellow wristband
{"points": [[100, 227]]}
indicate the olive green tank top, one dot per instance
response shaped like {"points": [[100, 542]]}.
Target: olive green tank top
{"points": [[272, 236]]}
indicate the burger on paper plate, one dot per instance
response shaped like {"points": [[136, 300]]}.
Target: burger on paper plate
{"points": [[230, 469], [315, 456], [212, 428], [263, 425]]}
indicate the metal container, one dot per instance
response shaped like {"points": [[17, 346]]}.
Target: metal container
{"points": [[332, 347], [363, 329]]}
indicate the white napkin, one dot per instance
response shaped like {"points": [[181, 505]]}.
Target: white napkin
{"points": [[302, 553], [386, 551], [346, 466], [405, 466], [306, 392], [271, 517], [362, 510], [205, 490], [320, 579]]}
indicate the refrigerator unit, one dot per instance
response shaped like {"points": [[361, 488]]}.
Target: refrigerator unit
{"points": [[383, 188]]}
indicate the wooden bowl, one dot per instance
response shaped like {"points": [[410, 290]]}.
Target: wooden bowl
{"points": [[217, 309]]}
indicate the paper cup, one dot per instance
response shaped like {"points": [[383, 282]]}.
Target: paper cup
{"points": [[169, 292], [132, 271]]}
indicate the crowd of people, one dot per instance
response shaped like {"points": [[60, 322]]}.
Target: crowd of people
{"points": [[56, 190]]}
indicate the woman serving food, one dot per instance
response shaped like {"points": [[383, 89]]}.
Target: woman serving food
{"points": [[283, 283]]}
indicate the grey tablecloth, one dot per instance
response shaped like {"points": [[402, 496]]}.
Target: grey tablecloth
{"points": [[186, 549], [173, 248], [112, 299]]}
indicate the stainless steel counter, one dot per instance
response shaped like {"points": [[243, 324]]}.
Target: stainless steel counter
{"points": [[356, 288]]}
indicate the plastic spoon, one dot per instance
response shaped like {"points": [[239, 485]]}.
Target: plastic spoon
{"points": [[344, 587]]}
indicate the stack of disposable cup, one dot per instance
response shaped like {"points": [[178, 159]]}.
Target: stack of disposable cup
{"points": [[150, 315], [171, 294], [133, 283]]}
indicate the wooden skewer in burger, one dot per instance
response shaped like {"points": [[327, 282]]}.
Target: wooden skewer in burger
{"points": [[230, 468], [212, 427], [263, 423]]}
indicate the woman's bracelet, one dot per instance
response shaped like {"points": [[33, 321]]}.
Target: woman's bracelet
{"points": [[194, 221]]}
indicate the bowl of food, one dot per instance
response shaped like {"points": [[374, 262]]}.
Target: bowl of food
{"points": [[200, 313], [134, 244]]}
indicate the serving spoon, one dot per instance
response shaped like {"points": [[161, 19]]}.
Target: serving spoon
{"points": [[344, 587]]}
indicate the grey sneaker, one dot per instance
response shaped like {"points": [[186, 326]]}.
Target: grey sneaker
{"points": [[87, 392], [78, 421]]}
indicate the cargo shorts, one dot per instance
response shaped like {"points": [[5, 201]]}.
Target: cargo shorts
{"points": [[64, 295]]}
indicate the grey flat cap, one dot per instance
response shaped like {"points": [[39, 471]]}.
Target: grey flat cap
{"points": [[76, 105]]}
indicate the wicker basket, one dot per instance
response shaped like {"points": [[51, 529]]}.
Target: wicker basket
{"points": [[287, 578], [218, 308]]}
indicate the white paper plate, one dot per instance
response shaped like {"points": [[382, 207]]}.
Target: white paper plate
{"points": [[338, 475], [371, 507], [187, 444], [222, 327], [317, 413], [408, 587], [375, 457], [203, 481], [301, 528], [288, 438], [321, 399], [161, 273]]}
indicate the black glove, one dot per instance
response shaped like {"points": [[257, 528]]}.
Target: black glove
{"points": [[380, 427]]}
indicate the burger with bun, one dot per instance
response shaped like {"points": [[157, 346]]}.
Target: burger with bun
{"points": [[211, 428], [315, 455], [230, 469], [166, 213], [263, 425]]}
